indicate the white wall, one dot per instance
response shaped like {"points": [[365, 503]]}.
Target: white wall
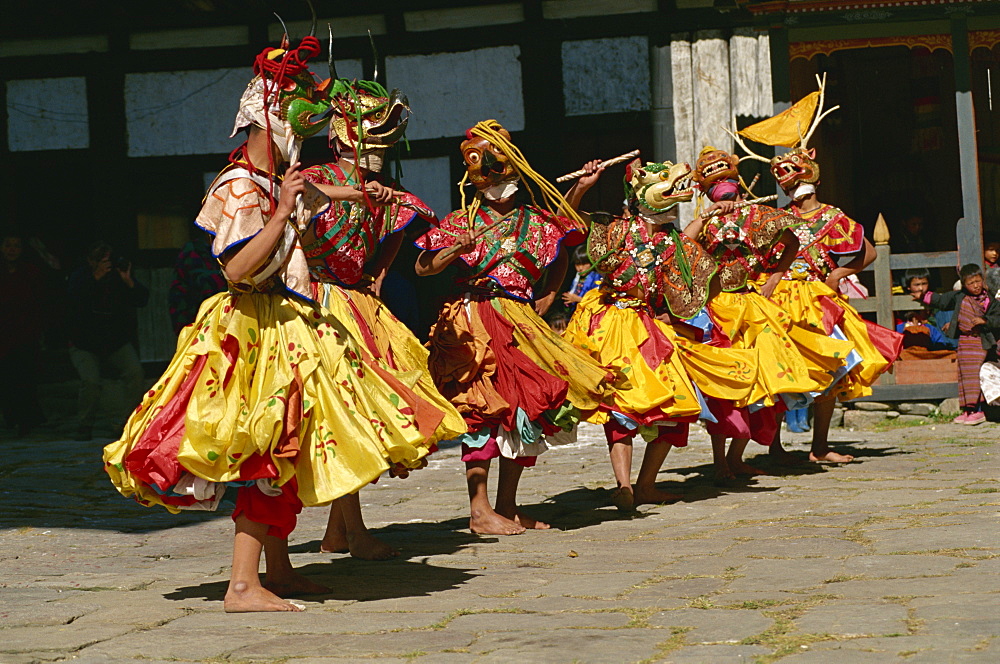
{"points": [[47, 114], [606, 75], [450, 92]]}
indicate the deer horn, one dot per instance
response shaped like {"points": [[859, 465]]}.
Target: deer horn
{"points": [[284, 38], [820, 113], [371, 40], [331, 65], [750, 153]]}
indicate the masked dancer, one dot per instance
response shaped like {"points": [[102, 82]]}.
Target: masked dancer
{"points": [[649, 266], [809, 289], [350, 247], [267, 391], [794, 362], [515, 381]]}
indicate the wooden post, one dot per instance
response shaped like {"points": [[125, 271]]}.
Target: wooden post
{"points": [[883, 284], [969, 229]]}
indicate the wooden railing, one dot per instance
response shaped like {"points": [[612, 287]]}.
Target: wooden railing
{"points": [[883, 303]]}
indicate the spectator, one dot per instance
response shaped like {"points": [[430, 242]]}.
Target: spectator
{"points": [[916, 283], [21, 297], [102, 297], [585, 280], [974, 339], [922, 340], [196, 277], [991, 253], [910, 239]]}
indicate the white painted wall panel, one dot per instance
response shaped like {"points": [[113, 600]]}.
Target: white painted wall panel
{"points": [[450, 92], [711, 88], [47, 114], [192, 112], [183, 112], [430, 179], [606, 75]]}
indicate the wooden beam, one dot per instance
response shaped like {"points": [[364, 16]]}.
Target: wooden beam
{"points": [[912, 392], [922, 259], [969, 230], [896, 303]]}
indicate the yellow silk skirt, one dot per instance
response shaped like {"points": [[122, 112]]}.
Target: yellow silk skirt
{"points": [[265, 387], [793, 359], [613, 336], [801, 300], [370, 322]]}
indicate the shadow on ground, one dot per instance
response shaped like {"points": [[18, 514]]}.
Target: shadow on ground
{"points": [[357, 580], [416, 540]]}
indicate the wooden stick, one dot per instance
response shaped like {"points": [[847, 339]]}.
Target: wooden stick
{"points": [[604, 164], [475, 236], [762, 199]]}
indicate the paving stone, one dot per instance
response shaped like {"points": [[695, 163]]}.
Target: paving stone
{"points": [[843, 654], [587, 646], [853, 618], [784, 574], [715, 654], [714, 625], [862, 419], [508, 622], [355, 646], [900, 566], [965, 614]]}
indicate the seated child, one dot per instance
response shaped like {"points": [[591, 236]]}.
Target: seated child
{"points": [[916, 282], [582, 283], [922, 340], [991, 254]]}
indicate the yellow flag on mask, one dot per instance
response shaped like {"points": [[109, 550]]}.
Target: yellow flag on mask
{"points": [[786, 128]]}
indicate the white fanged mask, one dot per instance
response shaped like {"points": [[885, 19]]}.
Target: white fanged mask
{"points": [[501, 191], [802, 191], [371, 160]]}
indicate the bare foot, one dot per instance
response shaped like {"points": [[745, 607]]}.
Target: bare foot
{"points": [[724, 477], [334, 542], [783, 457], [623, 499], [293, 585], [653, 496], [830, 457], [743, 468], [366, 546], [491, 523], [528, 523], [241, 598]]}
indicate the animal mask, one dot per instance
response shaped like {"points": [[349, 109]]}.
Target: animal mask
{"points": [[715, 174], [658, 187], [283, 97], [487, 165], [797, 166], [365, 116]]}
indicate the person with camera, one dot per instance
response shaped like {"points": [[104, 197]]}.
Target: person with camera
{"points": [[103, 295]]}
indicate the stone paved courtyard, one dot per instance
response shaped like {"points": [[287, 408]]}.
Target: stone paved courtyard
{"points": [[894, 558]]}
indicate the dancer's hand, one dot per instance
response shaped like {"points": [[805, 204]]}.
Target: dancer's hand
{"points": [[772, 282], [463, 244], [594, 170], [724, 207], [293, 185], [569, 297], [379, 194]]}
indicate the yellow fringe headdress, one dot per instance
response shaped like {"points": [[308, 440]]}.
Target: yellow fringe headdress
{"points": [[553, 201]]}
